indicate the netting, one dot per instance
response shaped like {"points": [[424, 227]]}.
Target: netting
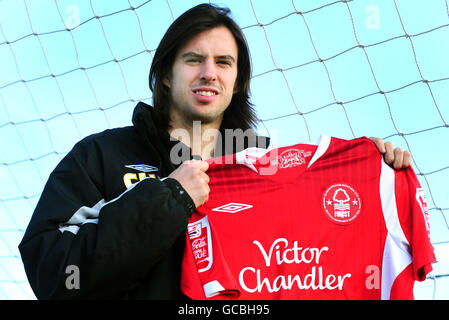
{"points": [[343, 68]]}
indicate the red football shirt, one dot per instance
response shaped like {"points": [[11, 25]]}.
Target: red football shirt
{"points": [[331, 221]]}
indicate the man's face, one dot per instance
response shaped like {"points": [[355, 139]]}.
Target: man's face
{"points": [[203, 77]]}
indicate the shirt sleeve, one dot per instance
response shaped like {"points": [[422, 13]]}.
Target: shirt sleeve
{"points": [[414, 219], [205, 272]]}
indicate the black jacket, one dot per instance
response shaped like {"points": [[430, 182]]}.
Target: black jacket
{"points": [[106, 219]]}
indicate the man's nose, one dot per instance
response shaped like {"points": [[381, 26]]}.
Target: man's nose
{"points": [[209, 71]]}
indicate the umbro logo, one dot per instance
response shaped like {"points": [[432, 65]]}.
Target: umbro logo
{"points": [[232, 207], [142, 167]]}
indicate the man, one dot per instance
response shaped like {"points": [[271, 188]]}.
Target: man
{"points": [[101, 228]]}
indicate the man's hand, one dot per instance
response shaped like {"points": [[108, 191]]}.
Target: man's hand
{"points": [[192, 177], [395, 157]]}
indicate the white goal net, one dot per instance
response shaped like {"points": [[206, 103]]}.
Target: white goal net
{"points": [[343, 68]]}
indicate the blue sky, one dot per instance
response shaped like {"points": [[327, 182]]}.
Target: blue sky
{"points": [[343, 69]]}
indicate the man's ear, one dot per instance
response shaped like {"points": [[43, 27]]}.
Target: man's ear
{"points": [[236, 88], [166, 81]]}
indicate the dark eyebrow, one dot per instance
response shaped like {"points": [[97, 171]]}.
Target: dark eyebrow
{"points": [[192, 54], [227, 57]]}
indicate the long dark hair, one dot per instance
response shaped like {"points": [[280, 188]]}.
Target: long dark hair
{"points": [[240, 113]]}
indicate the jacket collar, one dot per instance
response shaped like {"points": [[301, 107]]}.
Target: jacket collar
{"points": [[157, 139]]}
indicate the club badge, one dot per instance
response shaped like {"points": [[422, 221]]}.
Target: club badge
{"points": [[341, 203]]}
